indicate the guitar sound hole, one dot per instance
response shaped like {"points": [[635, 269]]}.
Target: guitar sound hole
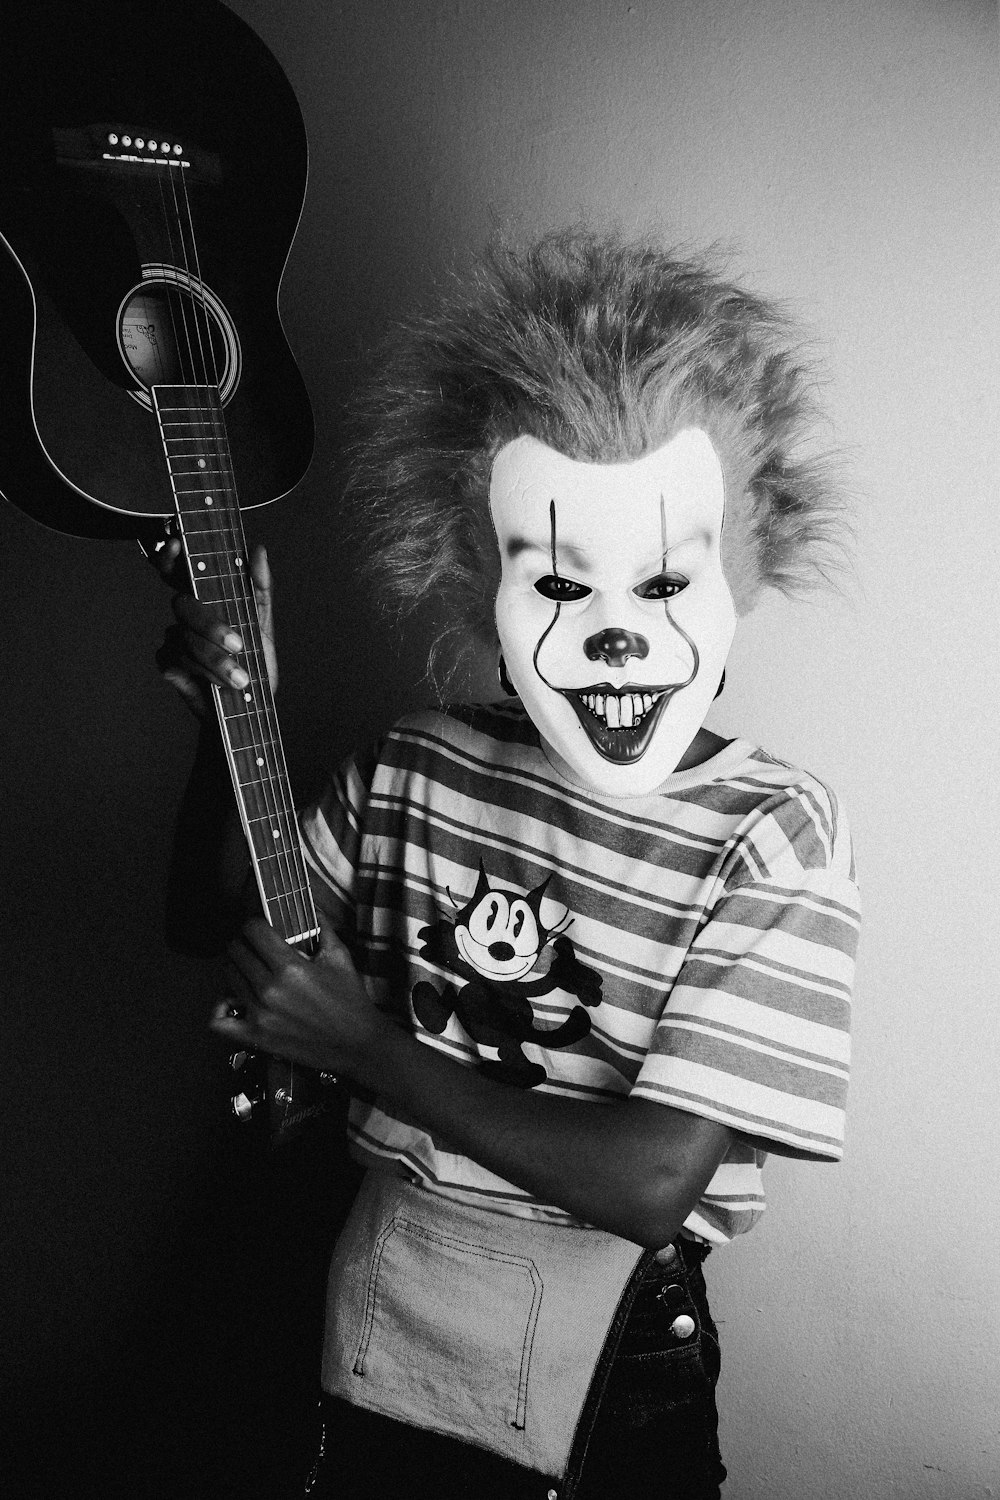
{"points": [[174, 331]]}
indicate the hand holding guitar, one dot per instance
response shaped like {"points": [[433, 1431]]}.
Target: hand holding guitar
{"points": [[201, 648], [314, 1011]]}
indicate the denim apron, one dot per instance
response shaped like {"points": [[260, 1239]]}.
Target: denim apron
{"points": [[477, 1333]]}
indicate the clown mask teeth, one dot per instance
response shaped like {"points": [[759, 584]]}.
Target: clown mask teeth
{"points": [[620, 710]]}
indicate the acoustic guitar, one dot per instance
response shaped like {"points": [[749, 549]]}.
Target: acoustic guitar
{"points": [[154, 168]]}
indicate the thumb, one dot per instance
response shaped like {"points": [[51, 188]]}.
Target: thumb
{"points": [[263, 585], [331, 948]]}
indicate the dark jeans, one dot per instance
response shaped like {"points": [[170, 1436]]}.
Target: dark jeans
{"points": [[649, 1426]]}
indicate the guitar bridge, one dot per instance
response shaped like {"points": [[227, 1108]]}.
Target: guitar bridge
{"points": [[119, 149]]}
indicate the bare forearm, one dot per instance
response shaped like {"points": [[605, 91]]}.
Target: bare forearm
{"points": [[633, 1167]]}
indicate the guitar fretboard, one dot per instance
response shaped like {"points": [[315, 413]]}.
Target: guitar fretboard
{"points": [[193, 431]]}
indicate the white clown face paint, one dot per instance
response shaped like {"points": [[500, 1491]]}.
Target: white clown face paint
{"points": [[614, 615]]}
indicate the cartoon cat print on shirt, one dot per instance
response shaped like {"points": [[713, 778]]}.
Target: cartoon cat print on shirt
{"points": [[494, 944]]}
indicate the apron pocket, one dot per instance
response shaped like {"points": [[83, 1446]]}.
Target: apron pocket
{"points": [[426, 1290], [450, 1317]]}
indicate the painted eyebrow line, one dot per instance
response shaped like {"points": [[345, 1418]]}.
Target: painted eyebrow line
{"points": [[518, 545]]}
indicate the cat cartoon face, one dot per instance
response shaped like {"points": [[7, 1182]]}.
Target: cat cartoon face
{"points": [[500, 934]]}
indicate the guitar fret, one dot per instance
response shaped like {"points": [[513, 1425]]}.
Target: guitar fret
{"points": [[237, 620], [212, 493], [258, 802], [198, 531], [233, 718], [288, 813], [271, 797], [289, 890], [257, 694], [286, 856], [271, 778], [295, 893], [244, 734], [210, 573], [255, 767]]}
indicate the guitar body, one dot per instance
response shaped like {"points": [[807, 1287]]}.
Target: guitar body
{"points": [[153, 176], [85, 252]]}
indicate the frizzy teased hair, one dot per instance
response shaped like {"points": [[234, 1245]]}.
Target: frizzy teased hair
{"points": [[603, 349]]}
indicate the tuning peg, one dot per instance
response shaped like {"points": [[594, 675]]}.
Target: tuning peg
{"points": [[238, 1060], [243, 1106]]}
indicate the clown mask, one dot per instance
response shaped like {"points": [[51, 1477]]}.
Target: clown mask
{"points": [[614, 615]]}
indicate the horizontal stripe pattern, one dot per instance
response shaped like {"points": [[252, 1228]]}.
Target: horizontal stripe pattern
{"points": [[721, 914]]}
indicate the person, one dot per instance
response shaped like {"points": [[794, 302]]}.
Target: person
{"points": [[583, 962]]}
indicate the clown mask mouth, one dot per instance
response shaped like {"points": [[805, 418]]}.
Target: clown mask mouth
{"points": [[620, 722]]}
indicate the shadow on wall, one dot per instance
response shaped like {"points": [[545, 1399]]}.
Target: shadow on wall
{"points": [[163, 1274]]}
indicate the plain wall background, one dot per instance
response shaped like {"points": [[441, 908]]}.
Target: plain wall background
{"points": [[847, 150]]}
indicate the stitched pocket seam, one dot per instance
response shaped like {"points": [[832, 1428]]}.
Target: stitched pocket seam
{"points": [[399, 1224]]}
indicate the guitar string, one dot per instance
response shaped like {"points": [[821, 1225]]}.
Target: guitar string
{"points": [[278, 807], [173, 296], [218, 528], [223, 527], [215, 518]]}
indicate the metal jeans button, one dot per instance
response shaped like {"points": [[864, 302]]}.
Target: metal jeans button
{"points": [[666, 1256], [672, 1296], [682, 1327]]}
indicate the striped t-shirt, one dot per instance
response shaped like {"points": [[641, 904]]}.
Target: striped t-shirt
{"points": [[694, 946]]}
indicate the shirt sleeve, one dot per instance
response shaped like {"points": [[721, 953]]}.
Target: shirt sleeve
{"points": [[332, 831], [756, 1029]]}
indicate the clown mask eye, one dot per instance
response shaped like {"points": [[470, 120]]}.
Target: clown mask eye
{"points": [[662, 586], [561, 590]]}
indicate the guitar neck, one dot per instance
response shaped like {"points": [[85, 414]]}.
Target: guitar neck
{"points": [[192, 428]]}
